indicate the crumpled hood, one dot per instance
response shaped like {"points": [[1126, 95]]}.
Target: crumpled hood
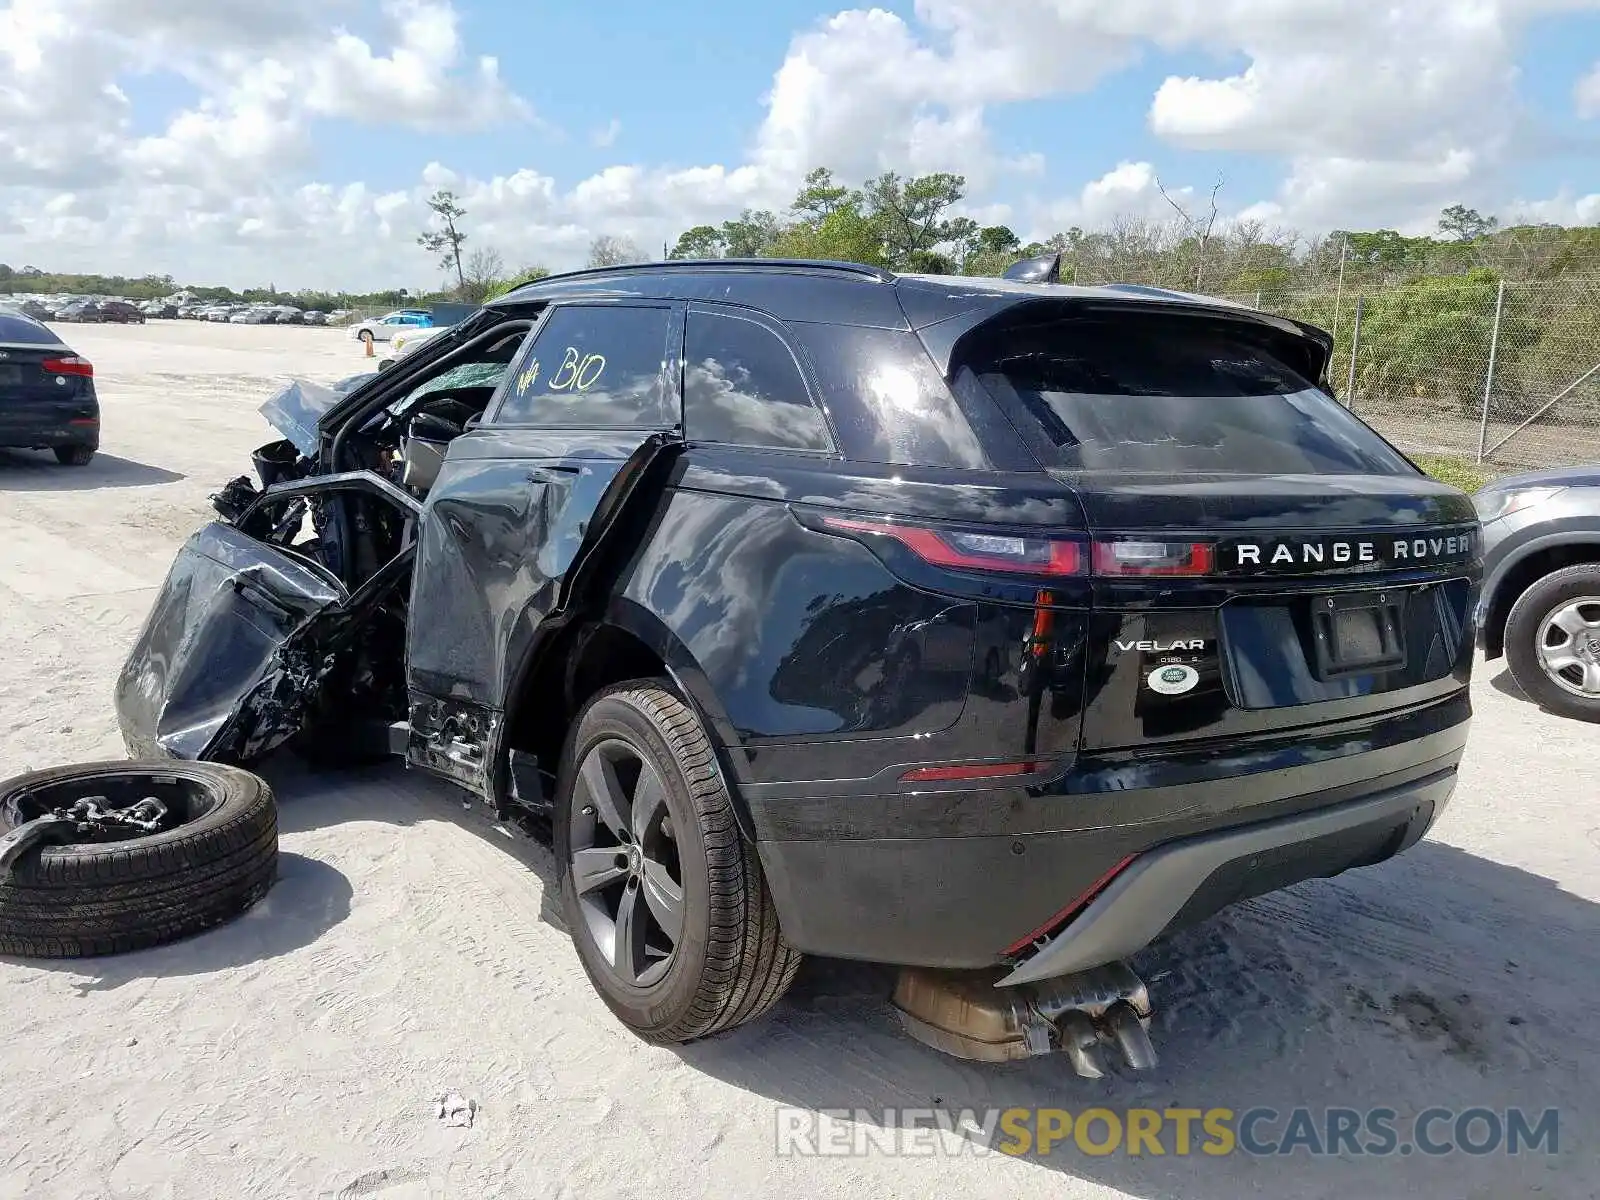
{"points": [[294, 409]]}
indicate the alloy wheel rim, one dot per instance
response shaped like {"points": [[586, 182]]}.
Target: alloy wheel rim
{"points": [[624, 863], [1569, 646]]}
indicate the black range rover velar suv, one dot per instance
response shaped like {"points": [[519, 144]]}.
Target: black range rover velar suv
{"points": [[955, 623]]}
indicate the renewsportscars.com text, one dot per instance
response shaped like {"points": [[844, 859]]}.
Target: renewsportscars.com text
{"points": [[1177, 1132]]}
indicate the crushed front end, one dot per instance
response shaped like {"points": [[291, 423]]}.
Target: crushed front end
{"points": [[255, 636]]}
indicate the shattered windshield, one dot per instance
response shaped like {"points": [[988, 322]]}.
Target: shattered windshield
{"points": [[478, 374]]}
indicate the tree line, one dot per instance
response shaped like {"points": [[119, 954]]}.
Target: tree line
{"points": [[907, 224], [913, 224]]}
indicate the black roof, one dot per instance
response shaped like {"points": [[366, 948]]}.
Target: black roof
{"points": [[841, 293], [742, 280]]}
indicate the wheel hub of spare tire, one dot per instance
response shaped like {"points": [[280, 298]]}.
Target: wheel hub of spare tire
{"points": [[624, 861], [1569, 646]]}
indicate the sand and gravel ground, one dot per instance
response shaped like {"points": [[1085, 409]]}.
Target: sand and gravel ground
{"points": [[411, 947]]}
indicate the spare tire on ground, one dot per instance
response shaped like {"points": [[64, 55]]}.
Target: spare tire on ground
{"points": [[132, 854]]}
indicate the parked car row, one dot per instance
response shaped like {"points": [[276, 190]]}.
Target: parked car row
{"points": [[252, 314], [84, 312], [90, 310]]}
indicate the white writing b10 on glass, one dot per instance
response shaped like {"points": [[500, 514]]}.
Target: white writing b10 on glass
{"points": [[577, 372]]}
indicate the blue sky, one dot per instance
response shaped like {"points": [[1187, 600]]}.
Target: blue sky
{"points": [[230, 137], [684, 83]]}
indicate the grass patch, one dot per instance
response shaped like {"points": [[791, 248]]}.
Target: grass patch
{"points": [[1457, 472]]}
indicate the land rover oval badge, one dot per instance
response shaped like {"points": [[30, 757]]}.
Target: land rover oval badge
{"points": [[1172, 679]]}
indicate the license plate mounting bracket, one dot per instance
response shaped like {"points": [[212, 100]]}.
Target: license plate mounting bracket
{"points": [[1358, 633]]}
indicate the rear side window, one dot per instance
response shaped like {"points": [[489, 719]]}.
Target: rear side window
{"points": [[742, 387], [20, 331], [1164, 395], [592, 365], [888, 402]]}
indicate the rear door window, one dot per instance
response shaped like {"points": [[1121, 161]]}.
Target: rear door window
{"points": [[1173, 395], [743, 387], [599, 365]]}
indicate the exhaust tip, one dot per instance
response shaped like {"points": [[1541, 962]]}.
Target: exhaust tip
{"points": [[964, 1014]]}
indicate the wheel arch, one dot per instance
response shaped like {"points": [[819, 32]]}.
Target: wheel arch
{"points": [[1522, 569], [595, 650]]}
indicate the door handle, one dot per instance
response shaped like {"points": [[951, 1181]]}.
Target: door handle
{"points": [[552, 474]]}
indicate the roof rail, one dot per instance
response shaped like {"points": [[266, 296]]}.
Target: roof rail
{"points": [[861, 270]]}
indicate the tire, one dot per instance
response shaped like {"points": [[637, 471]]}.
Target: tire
{"points": [[74, 456], [77, 900], [730, 963], [1527, 624], [366, 338]]}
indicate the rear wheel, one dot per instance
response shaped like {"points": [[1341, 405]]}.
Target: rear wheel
{"points": [[1553, 642], [665, 899], [367, 339], [74, 456]]}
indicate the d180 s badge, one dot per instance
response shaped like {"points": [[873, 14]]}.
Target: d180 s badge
{"points": [[1172, 679]]}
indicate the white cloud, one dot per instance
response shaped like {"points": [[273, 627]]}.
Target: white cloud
{"points": [[859, 92], [417, 82], [1565, 208], [604, 139], [1587, 94], [263, 71]]}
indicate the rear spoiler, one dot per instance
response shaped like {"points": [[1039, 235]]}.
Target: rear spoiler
{"points": [[1307, 348], [1046, 269]]}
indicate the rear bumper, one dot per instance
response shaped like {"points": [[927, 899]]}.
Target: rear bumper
{"points": [[1188, 880], [1222, 830], [46, 435]]}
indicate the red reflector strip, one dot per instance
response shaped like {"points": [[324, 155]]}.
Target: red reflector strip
{"points": [[1071, 910], [84, 421], [1154, 558], [975, 551], [70, 365], [968, 771]]}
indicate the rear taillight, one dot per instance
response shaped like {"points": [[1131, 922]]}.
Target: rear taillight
{"points": [[1018, 554], [69, 364], [1116, 558], [965, 551]]}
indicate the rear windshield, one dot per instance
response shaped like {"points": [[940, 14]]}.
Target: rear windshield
{"points": [[18, 330], [1164, 395]]}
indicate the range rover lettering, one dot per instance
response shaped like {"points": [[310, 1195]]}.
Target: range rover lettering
{"points": [[988, 628]]}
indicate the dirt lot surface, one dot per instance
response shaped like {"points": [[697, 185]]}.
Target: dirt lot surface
{"points": [[410, 947]]}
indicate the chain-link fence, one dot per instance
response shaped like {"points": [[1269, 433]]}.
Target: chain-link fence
{"points": [[357, 315], [1468, 365]]}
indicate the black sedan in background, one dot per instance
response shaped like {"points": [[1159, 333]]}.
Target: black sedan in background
{"points": [[47, 399], [120, 312]]}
